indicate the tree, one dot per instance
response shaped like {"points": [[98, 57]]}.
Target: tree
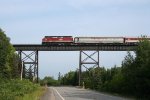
{"points": [[48, 80], [70, 78], [136, 71], [14, 61], [142, 61], [128, 71], [6, 55]]}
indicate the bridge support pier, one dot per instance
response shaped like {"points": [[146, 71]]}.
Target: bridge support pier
{"points": [[87, 58], [29, 64]]}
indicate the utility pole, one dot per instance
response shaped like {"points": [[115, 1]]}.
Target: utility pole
{"points": [[59, 77]]}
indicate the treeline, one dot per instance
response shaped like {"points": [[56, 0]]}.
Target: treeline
{"points": [[11, 87], [8, 58], [49, 81], [71, 78], [131, 79]]}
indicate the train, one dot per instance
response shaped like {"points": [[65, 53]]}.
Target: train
{"points": [[68, 40]]}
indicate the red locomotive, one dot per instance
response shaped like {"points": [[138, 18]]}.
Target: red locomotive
{"points": [[61, 40]]}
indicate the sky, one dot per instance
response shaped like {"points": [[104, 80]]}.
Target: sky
{"points": [[28, 21]]}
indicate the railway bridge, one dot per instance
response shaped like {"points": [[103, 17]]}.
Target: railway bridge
{"points": [[29, 62]]}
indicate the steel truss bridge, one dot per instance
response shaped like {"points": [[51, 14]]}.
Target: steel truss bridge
{"points": [[29, 63]]}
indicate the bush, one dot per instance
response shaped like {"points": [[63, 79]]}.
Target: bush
{"points": [[10, 89]]}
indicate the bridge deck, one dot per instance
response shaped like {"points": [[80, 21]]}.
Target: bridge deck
{"points": [[101, 47]]}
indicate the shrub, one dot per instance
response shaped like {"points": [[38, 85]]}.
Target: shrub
{"points": [[10, 89]]}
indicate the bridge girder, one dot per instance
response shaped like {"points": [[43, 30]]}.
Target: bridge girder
{"points": [[29, 64], [34, 48], [102, 47], [87, 58]]}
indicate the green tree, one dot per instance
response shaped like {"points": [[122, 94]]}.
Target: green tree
{"points": [[48, 80], [6, 56], [128, 72], [136, 71], [70, 78], [116, 83], [14, 61], [142, 62]]}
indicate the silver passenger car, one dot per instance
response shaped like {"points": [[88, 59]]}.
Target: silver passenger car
{"points": [[92, 40]]}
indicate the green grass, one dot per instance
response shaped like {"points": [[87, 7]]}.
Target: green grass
{"points": [[34, 95], [16, 89]]}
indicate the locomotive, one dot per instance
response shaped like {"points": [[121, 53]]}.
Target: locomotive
{"points": [[68, 40], [62, 40]]}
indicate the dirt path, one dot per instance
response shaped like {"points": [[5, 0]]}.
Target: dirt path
{"points": [[49, 95]]}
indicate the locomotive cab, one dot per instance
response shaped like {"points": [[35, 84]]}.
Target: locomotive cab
{"points": [[57, 40]]}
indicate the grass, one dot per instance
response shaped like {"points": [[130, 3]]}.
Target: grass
{"points": [[15, 89], [34, 95]]}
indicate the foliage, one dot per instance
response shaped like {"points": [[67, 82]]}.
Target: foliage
{"points": [[11, 89], [8, 58], [35, 95], [50, 81], [136, 71], [69, 79]]}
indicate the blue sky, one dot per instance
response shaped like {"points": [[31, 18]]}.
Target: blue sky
{"points": [[29, 21]]}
